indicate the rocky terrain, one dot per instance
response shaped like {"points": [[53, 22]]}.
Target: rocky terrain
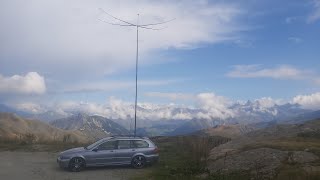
{"points": [[263, 153]]}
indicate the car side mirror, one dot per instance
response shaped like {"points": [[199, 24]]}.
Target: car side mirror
{"points": [[95, 149]]}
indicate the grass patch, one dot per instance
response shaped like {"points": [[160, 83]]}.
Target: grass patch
{"points": [[296, 172], [287, 144], [183, 157]]}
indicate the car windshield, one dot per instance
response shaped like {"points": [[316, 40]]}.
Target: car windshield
{"points": [[94, 144]]}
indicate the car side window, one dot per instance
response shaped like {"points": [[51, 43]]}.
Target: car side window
{"points": [[140, 144], [124, 144], [109, 145]]}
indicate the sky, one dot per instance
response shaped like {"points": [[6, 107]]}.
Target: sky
{"points": [[64, 52]]}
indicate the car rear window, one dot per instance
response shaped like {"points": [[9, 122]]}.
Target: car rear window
{"points": [[140, 144], [124, 144]]}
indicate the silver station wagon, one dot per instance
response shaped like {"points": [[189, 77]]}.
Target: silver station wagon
{"points": [[135, 151]]}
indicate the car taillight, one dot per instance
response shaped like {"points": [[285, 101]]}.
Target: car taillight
{"points": [[156, 150]]}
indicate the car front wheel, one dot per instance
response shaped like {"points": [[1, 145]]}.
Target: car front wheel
{"points": [[76, 164], [138, 161]]}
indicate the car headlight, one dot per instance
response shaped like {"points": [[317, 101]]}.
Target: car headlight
{"points": [[64, 157]]}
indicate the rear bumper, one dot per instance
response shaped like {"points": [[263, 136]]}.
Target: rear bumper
{"points": [[152, 158], [63, 163]]}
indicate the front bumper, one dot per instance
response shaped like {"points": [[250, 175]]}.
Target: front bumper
{"points": [[63, 163]]}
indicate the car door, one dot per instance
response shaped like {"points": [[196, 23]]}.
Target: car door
{"points": [[104, 154], [124, 152]]}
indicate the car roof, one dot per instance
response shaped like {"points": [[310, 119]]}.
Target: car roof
{"points": [[126, 137]]}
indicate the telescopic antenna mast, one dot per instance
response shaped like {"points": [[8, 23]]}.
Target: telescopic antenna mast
{"points": [[143, 26]]}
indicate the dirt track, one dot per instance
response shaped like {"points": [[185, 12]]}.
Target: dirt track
{"points": [[43, 166]]}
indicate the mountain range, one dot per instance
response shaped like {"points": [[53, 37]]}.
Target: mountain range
{"points": [[92, 126], [253, 115], [171, 120]]}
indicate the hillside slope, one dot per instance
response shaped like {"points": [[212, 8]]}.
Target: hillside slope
{"points": [[270, 149], [229, 131], [14, 127], [92, 126]]}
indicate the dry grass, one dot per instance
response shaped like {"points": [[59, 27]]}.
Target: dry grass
{"points": [[199, 147], [296, 172], [288, 144], [183, 157], [29, 142]]}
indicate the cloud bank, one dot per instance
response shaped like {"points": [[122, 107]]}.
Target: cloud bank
{"points": [[66, 37], [170, 96], [258, 71], [31, 83], [315, 15], [205, 106], [311, 101]]}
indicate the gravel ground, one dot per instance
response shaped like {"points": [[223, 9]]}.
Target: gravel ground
{"points": [[43, 166]]}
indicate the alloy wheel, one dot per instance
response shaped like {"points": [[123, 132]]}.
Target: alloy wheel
{"points": [[138, 162], [76, 164]]}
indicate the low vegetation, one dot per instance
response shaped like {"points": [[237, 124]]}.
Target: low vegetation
{"points": [[311, 144], [29, 142], [183, 157], [304, 142]]}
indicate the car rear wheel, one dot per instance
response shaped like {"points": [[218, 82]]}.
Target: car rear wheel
{"points": [[138, 161], [76, 164]]}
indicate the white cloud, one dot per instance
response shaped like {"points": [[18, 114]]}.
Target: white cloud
{"points": [[208, 106], [30, 107], [57, 35], [290, 20], [114, 85], [170, 96], [267, 102], [315, 15], [216, 106], [296, 40], [311, 101], [279, 72], [31, 83], [316, 80]]}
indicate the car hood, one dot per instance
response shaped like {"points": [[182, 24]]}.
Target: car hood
{"points": [[73, 150]]}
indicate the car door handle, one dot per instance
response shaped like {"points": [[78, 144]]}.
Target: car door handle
{"points": [[111, 151], [133, 150]]}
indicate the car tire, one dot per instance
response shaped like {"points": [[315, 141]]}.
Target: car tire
{"points": [[77, 164], [138, 162]]}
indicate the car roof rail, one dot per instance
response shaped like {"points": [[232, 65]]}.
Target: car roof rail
{"points": [[126, 136]]}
